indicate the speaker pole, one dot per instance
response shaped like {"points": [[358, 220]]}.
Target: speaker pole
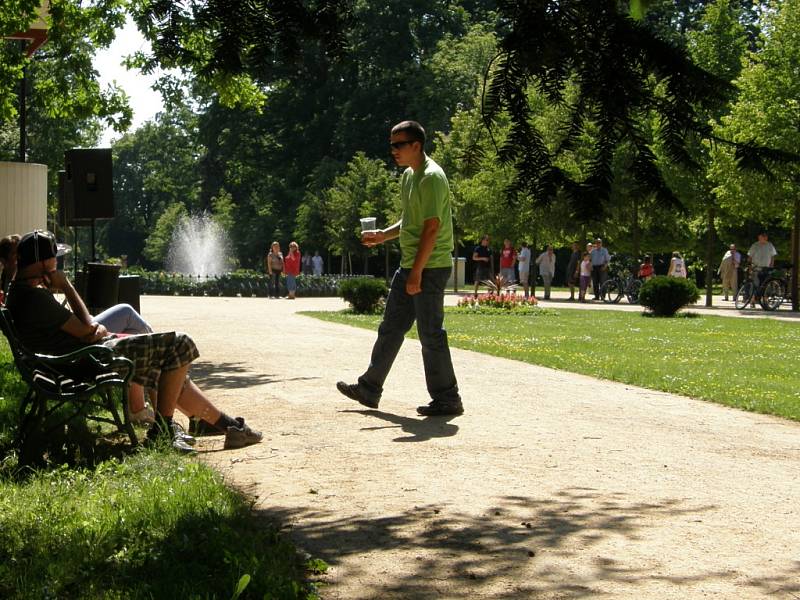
{"points": [[94, 257], [75, 253]]}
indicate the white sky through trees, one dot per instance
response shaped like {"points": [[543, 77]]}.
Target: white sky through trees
{"points": [[144, 101]]}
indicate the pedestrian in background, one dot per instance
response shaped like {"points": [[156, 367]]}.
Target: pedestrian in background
{"points": [[524, 267], [729, 271], [600, 259], [585, 269], [677, 267], [317, 263], [572, 273], [482, 257], [273, 265], [291, 264], [508, 257], [546, 262]]}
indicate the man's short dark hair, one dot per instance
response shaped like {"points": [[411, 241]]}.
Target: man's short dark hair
{"points": [[413, 129]]}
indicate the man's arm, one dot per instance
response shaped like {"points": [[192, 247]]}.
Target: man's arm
{"points": [[427, 241], [79, 324], [379, 236]]}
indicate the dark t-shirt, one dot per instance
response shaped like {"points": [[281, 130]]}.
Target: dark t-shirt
{"points": [[483, 252], [38, 318]]}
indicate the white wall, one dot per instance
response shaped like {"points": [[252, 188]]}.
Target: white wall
{"points": [[23, 197]]}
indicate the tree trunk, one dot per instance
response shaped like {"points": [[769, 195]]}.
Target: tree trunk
{"points": [[710, 235], [636, 232], [796, 254]]}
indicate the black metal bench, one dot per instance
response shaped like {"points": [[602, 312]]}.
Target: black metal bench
{"points": [[63, 388]]}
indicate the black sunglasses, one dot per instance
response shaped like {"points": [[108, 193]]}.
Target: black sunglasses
{"points": [[398, 145]]}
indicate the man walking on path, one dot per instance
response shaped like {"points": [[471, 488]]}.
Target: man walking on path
{"points": [[600, 259], [728, 269], [546, 262], [425, 230]]}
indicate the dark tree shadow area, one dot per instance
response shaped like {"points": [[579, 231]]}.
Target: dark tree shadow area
{"points": [[499, 549], [418, 429], [229, 375], [200, 555]]}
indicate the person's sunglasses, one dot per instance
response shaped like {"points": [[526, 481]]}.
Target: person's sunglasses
{"points": [[398, 145]]}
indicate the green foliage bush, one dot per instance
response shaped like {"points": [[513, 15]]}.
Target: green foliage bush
{"points": [[664, 296], [363, 293], [244, 283]]}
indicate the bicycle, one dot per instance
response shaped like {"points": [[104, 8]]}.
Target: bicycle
{"points": [[772, 290], [613, 289]]}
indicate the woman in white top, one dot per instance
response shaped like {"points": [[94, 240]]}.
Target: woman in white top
{"points": [[677, 268]]}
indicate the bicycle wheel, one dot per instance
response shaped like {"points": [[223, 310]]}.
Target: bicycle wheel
{"points": [[632, 293], [611, 291], [773, 295], [743, 295]]}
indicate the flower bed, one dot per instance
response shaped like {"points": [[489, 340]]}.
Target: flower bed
{"points": [[503, 303]]}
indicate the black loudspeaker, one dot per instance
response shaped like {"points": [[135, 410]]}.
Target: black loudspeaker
{"points": [[89, 186]]}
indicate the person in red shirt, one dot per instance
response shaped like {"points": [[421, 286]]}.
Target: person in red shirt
{"points": [[646, 268], [292, 263], [507, 258]]}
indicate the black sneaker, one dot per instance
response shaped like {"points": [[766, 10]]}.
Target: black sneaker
{"points": [[239, 437], [437, 408], [351, 391]]}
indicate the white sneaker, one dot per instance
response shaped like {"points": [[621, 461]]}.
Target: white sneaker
{"points": [[144, 416]]}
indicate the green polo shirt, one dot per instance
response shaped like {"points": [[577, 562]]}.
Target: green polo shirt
{"points": [[425, 194]]}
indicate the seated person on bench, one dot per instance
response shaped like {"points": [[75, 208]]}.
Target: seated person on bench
{"points": [[161, 360]]}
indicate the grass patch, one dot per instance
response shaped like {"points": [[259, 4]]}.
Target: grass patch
{"points": [[750, 364], [153, 526]]}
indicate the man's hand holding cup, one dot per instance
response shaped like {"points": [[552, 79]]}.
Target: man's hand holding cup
{"points": [[373, 237]]}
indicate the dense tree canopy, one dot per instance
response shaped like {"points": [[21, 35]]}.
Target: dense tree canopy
{"points": [[596, 122]]}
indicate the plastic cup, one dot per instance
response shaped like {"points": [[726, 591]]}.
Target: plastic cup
{"points": [[368, 223]]}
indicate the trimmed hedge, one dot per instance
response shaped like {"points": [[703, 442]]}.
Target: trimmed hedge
{"points": [[239, 283], [664, 296], [364, 293]]}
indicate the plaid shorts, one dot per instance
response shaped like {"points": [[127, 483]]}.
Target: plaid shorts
{"points": [[153, 353]]}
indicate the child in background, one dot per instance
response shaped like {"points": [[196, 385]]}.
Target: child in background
{"points": [[586, 276], [646, 268]]}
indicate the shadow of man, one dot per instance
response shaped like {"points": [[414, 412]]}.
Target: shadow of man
{"points": [[420, 430]]}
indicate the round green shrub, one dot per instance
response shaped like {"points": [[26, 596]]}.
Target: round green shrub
{"points": [[363, 293], [664, 296]]}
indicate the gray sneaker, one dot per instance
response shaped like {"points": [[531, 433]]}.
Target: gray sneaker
{"points": [[239, 437]]}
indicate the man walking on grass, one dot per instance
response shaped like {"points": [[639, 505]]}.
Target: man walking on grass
{"points": [[425, 230]]}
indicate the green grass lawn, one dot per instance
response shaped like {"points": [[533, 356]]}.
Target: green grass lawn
{"points": [[745, 363]]}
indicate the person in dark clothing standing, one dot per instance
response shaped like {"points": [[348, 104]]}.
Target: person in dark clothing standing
{"points": [[482, 257]]}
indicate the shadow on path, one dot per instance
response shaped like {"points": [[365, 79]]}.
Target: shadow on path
{"points": [[210, 375], [420, 430], [523, 547]]}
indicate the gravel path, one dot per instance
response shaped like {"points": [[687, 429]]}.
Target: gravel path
{"points": [[551, 485]]}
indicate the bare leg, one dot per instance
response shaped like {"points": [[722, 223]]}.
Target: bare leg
{"points": [[170, 385], [194, 403], [135, 398]]}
